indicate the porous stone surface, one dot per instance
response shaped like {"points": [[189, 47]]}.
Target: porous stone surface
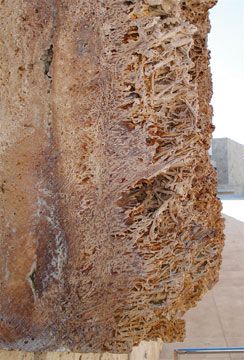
{"points": [[111, 228], [146, 350]]}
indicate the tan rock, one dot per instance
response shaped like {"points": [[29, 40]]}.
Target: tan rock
{"points": [[146, 350], [111, 228]]}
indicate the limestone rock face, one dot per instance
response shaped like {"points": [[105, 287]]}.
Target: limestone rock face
{"points": [[110, 224]]}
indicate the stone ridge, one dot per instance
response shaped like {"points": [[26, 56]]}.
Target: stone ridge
{"points": [[111, 228]]}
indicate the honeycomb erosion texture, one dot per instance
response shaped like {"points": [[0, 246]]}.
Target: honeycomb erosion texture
{"points": [[111, 228]]}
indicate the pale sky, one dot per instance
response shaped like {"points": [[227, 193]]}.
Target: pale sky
{"points": [[226, 42], [234, 208]]}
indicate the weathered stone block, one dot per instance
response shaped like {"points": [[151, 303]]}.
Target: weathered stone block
{"points": [[111, 228]]}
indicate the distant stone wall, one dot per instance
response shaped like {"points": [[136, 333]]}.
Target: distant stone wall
{"points": [[231, 189], [228, 155], [219, 156], [235, 163]]}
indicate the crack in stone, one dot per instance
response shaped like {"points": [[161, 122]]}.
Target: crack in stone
{"points": [[47, 58]]}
